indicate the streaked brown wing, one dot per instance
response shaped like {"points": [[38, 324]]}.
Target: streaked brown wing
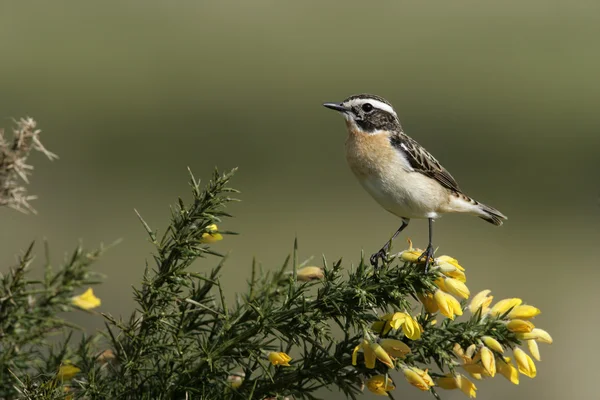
{"points": [[421, 161]]}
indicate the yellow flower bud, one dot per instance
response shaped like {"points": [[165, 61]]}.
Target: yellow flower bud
{"points": [[309, 273], [525, 363], [519, 325], [395, 348], [381, 354], [211, 236], [457, 288], [428, 302], [279, 358], [534, 349], [536, 334], [493, 344], [488, 361], [507, 369], [504, 305], [66, 372], [523, 312], [380, 385], [418, 378], [86, 300], [449, 260], [481, 300]]}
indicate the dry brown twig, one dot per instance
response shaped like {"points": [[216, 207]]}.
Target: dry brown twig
{"points": [[14, 170]]}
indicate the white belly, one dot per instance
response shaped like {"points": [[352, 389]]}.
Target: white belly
{"points": [[405, 194]]}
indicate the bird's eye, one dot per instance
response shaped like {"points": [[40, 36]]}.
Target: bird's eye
{"points": [[367, 107]]}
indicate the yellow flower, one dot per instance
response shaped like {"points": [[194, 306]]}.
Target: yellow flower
{"points": [[448, 305], [86, 300], [368, 354], [456, 274], [409, 325], [447, 382], [493, 344], [536, 334], [410, 255], [488, 361], [388, 322], [508, 370], [459, 352], [411, 328], [449, 260], [67, 372], [418, 378], [523, 312], [372, 351], [381, 354], [525, 363], [456, 288], [440, 283], [520, 325], [279, 358], [380, 385], [395, 348], [477, 371], [504, 305], [428, 302], [211, 236], [456, 308], [534, 349], [466, 386], [481, 300], [450, 382], [309, 273]]}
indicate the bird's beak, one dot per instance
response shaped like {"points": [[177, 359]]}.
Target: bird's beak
{"points": [[336, 106]]}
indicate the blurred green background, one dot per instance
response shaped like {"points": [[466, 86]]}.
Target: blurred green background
{"points": [[504, 94]]}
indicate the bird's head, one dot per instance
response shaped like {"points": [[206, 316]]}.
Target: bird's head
{"points": [[367, 113]]}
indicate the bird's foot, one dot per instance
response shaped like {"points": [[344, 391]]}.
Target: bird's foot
{"points": [[380, 255], [426, 257]]}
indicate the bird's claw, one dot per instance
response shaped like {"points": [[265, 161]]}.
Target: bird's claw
{"points": [[427, 257], [381, 254]]}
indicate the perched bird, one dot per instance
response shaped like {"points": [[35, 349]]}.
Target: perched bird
{"points": [[399, 173]]}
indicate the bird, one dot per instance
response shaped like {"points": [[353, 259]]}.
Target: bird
{"points": [[403, 177]]}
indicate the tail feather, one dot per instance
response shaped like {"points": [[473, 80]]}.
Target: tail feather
{"points": [[462, 203], [491, 215]]}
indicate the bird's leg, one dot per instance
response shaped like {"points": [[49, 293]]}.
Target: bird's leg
{"points": [[428, 253], [382, 253]]}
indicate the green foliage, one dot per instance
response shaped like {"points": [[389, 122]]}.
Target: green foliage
{"points": [[185, 341], [29, 314]]}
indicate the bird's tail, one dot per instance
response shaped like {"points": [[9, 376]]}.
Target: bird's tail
{"points": [[490, 214], [463, 203]]}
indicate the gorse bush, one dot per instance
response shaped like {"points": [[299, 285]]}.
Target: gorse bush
{"points": [[296, 329]]}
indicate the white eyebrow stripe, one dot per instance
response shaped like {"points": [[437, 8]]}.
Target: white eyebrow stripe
{"points": [[375, 103]]}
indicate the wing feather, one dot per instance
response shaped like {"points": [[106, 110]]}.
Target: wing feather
{"points": [[422, 161]]}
